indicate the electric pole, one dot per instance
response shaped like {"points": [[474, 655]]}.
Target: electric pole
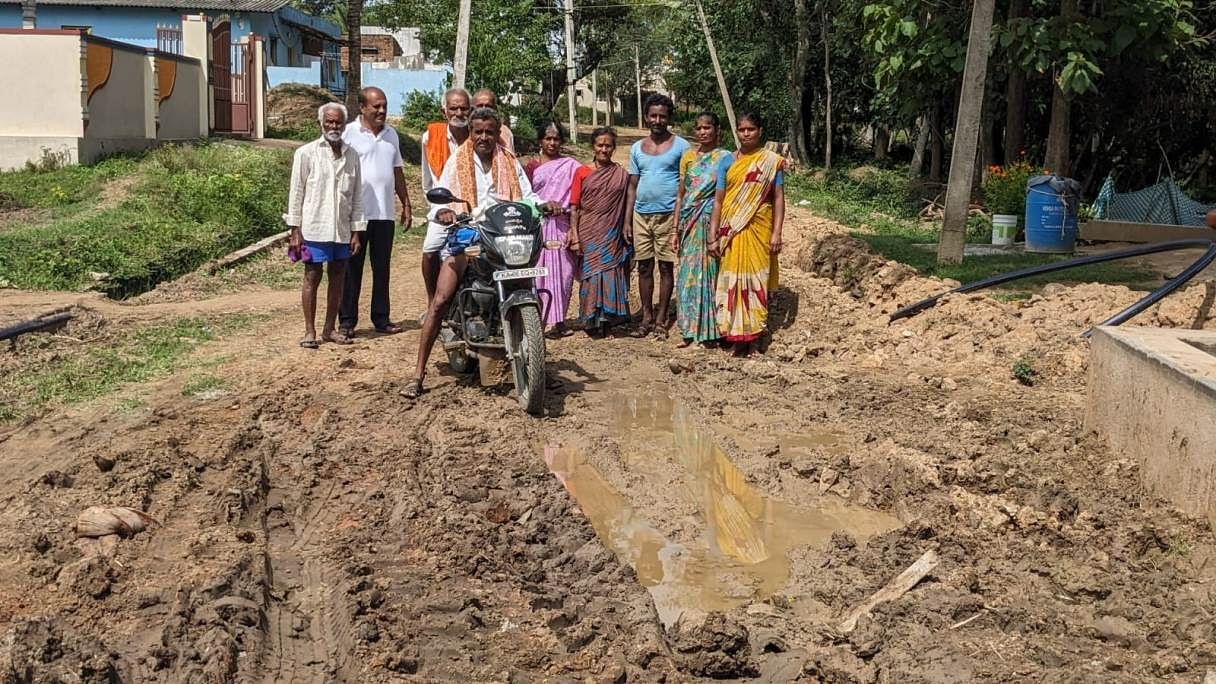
{"points": [[595, 100], [637, 77], [571, 105], [713, 56], [461, 60]]}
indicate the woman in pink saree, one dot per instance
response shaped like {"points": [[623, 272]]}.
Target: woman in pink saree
{"points": [[552, 178]]}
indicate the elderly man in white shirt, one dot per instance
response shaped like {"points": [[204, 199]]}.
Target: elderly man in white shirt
{"points": [[482, 173], [325, 215], [379, 151]]}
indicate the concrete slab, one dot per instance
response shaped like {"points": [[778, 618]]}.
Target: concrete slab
{"points": [[1152, 398]]}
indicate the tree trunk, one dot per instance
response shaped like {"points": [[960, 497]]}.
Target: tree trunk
{"points": [[882, 142], [827, 85], [802, 51], [354, 56], [918, 154], [987, 146], [966, 134], [937, 150], [1015, 100], [1059, 135]]}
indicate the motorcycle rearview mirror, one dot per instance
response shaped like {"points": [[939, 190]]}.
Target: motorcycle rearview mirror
{"points": [[443, 196]]}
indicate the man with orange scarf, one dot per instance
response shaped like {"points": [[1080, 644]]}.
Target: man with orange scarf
{"points": [[439, 142], [482, 173]]}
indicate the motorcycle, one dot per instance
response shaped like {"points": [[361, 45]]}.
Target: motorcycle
{"points": [[496, 311]]}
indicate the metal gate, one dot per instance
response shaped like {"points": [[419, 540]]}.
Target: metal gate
{"points": [[221, 75], [242, 88]]}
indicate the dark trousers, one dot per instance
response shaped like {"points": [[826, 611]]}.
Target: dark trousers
{"points": [[377, 242]]}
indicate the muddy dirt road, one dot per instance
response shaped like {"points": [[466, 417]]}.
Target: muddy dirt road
{"points": [[676, 515]]}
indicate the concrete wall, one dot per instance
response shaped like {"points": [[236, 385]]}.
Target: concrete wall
{"points": [[116, 109], [1152, 399], [179, 108], [96, 97], [56, 125]]}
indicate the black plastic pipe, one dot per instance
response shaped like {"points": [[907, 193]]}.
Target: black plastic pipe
{"points": [[1121, 317], [36, 324]]}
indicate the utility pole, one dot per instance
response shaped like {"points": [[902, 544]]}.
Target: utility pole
{"points": [[461, 59], [570, 90], [637, 79], [966, 135], [595, 100], [713, 55]]}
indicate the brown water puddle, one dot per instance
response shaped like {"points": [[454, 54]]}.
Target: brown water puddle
{"points": [[742, 553]]}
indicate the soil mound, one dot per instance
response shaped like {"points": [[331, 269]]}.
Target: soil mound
{"points": [[292, 105]]}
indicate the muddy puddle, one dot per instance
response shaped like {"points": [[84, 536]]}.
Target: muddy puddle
{"points": [[742, 550]]}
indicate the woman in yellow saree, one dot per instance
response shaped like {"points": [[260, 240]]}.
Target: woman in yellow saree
{"points": [[748, 216]]}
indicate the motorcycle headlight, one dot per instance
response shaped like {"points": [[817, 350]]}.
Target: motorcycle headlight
{"points": [[516, 250]]}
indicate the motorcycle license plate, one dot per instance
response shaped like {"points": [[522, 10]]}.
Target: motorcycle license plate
{"points": [[521, 273]]}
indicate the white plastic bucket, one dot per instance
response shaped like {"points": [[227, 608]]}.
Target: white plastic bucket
{"points": [[1004, 229]]}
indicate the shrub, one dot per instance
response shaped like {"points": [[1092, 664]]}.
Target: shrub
{"points": [[420, 109], [1005, 188]]}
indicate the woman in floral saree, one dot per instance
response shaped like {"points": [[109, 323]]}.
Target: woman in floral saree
{"points": [[748, 216], [697, 277]]}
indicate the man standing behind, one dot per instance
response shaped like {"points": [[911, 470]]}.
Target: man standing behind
{"points": [[379, 151], [325, 215], [654, 174], [439, 142], [486, 98]]}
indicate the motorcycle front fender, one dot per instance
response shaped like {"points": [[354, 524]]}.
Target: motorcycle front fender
{"points": [[519, 298]]}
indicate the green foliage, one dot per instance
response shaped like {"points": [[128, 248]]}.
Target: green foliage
{"points": [[1023, 371], [304, 133], [189, 204], [421, 109], [61, 186], [1005, 187]]}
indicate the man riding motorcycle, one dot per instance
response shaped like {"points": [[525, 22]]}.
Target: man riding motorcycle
{"points": [[483, 173]]}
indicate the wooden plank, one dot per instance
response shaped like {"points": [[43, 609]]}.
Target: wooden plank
{"points": [[246, 252], [1120, 231], [895, 588]]}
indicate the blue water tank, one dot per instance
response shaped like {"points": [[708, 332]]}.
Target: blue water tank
{"points": [[1051, 215]]}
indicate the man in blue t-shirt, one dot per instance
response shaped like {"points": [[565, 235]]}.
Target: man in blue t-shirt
{"points": [[654, 174]]}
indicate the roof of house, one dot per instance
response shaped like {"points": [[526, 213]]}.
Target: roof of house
{"points": [[185, 5]]}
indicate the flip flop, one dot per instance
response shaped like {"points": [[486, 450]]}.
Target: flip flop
{"points": [[348, 332], [413, 389], [338, 339], [390, 329], [309, 344], [641, 331]]}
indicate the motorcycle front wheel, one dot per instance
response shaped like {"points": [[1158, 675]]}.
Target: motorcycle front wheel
{"points": [[528, 341]]}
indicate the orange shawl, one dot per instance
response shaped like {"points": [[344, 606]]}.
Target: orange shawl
{"points": [[437, 147], [505, 180]]}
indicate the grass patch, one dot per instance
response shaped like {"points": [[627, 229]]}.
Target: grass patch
{"points": [[301, 133], [137, 356], [188, 204], [880, 207], [61, 187], [200, 384]]}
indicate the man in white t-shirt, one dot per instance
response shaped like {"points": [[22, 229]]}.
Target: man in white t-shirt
{"points": [[380, 163]]}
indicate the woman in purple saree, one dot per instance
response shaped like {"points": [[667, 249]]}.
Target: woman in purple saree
{"points": [[552, 179]]}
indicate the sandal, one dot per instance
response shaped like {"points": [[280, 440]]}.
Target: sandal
{"points": [[413, 389], [309, 344], [642, 331], [389, 329], [348, 332], [340, 338]]}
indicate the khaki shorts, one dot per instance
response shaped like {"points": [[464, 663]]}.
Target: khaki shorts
{"points": [[652, 235]]}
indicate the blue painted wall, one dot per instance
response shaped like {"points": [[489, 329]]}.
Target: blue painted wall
{"points": [[137, 25], [397, 84]]}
